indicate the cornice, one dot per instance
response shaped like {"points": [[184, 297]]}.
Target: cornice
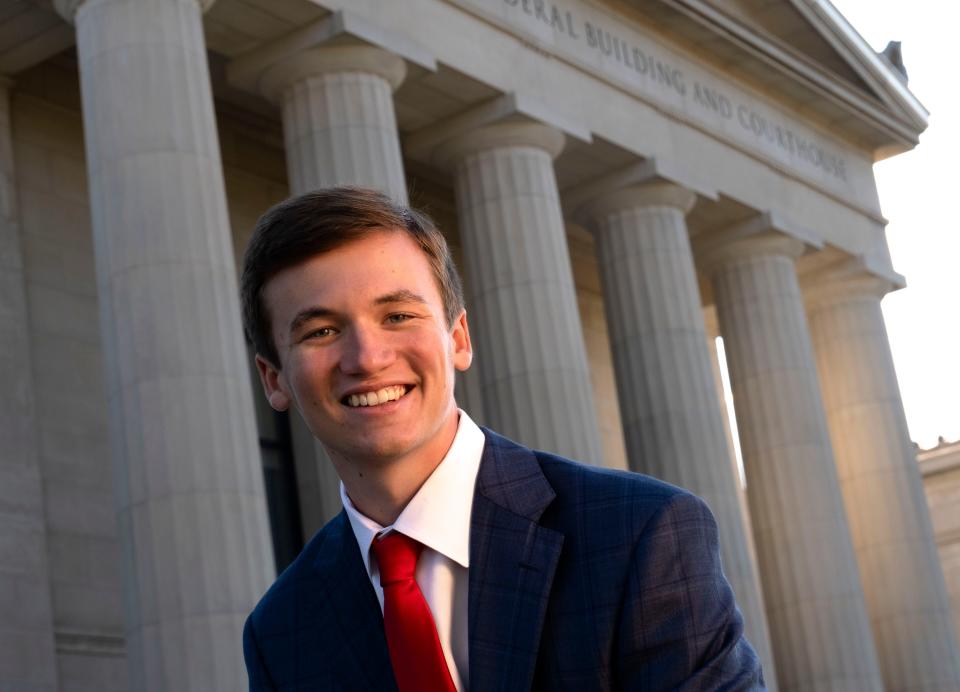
{"points": [[868, 63], [902, 119]]}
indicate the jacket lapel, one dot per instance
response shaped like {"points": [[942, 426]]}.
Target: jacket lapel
{"points": [[343, 601], [512, 563]]}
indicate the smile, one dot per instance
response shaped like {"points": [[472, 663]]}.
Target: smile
{"points": [[377, 397]]}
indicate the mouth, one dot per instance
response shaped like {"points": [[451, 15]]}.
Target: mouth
{"points": [[376, 397]]}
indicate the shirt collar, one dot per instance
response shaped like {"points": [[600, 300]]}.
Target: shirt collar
{"points": [[439, 514]]}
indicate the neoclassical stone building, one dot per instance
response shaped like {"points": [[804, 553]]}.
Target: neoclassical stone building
{"points": [[622, 181], [940, 467]]}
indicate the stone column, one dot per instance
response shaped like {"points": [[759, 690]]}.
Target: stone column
{"points": [[815, 610], [889, 520], [27, 657], [340, 128], [188, 481], [526, 327], [338, 119], [672, 417]]}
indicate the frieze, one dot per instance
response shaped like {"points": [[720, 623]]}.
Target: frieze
{"points": [[624, 54]]}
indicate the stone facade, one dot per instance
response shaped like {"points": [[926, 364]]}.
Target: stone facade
{"points": [[940, 467], [620, 183]]}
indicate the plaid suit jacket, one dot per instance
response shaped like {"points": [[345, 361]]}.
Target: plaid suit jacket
{"points": [[580, 579]]}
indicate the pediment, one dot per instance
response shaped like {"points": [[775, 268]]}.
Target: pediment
{"points": [[780, 20]]}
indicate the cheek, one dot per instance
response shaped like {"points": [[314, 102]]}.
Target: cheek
{"points": [[309, 374], [429, 350]]}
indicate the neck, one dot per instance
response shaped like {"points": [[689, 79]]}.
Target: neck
{"points": [[381, 488]]}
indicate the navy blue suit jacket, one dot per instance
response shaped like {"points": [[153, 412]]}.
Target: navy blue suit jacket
{"points": [[580, 579]]}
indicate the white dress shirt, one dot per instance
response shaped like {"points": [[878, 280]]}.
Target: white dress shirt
{"points": [[439, 517]]}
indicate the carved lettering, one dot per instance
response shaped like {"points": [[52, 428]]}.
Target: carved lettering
{"points": [[644, 65], [713, 100], [639, 61], [556, 20], [539, 11]]}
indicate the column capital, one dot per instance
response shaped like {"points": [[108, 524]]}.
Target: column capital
{"points": [[68, 8], [652, 193], [842, 281], [270, 73], [756, 237], [500, 135]]}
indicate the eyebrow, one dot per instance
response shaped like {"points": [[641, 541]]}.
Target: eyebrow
{"points": [[320, 312], [309, 314], [402, 296]]}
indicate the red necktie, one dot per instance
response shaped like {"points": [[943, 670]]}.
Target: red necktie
{"points": [[418, 662]]}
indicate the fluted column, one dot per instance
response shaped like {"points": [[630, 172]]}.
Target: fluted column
{"points": [[815, 609], [338, 119], [672, 419], [27, 658], [339, 128], [889, 519], [524, 318], [188, 482]]}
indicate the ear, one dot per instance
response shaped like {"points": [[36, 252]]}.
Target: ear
{"points": [[273, 383], [462, 348]]}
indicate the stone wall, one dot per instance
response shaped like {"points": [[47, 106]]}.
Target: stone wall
{"points": [[940, 467], [83, 549]]}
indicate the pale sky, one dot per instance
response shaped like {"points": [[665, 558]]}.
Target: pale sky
{"points": [[919, 192]]}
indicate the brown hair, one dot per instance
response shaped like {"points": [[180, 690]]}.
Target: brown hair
{"points": [[317, 222]]}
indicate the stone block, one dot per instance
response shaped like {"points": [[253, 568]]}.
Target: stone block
{"points": [[82, 672], [24, 602], [97, 608], [21, 546], [60, 312], [20, 495], [33, 166], [69, 175], [23, 660], [83, 509]]}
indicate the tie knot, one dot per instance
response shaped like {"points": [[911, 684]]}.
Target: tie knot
{"points": [[397, 557]]}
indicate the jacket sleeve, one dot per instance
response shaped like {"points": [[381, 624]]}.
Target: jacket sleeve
{"points": [[679, 626], [256, 670]]}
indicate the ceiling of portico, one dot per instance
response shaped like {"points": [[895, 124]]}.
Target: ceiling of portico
{"points": [[30, 32]]}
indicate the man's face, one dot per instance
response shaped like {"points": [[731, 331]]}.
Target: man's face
{"points": [[365, 352]]}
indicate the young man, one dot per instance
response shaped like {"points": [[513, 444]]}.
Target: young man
{"points": [[461, 560]]}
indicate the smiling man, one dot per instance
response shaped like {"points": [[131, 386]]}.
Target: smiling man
{"points": [[461, 560]]}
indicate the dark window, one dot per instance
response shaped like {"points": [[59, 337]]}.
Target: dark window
{"points": [[280, 480], [279, 476]]}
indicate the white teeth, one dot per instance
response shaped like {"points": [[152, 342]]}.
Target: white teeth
{"points": [[380, 396]]}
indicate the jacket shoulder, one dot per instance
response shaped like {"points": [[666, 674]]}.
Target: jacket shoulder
{"points": [[641, 573], [274, 607], [633, 497]]}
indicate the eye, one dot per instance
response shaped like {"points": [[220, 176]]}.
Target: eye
{"points": [[319, 333], [399, 317]]}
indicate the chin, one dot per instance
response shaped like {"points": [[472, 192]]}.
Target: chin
{"points": [[379, 452]]}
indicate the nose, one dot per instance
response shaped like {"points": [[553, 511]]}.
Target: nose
{"points": [[365, 350]]}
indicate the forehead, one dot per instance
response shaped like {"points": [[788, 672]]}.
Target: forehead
{"points": [[382, 261]]}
